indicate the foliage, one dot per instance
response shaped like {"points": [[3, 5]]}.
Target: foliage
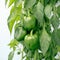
{"points": [[32, 21]]}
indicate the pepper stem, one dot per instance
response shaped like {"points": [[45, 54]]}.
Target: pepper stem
{"points": [[31, 32], [28, 13], [44, 26]]}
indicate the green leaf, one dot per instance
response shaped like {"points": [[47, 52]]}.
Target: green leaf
{"points": [[55, 21], [56, 36], [36, 55], [11, 23], [47, 11], [51, 53], [53, 2], [45, 40], [14, 15], [13, 43], [10, 56], [42, 1], [38, 13], [18, 2], [58, 10], [46, 2], [20, 24], [58, 48], [10, 2], [12, 10], [48, 28], [29, 3]]}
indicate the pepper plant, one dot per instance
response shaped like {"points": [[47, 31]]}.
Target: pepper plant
{"points": [[36, 28]]}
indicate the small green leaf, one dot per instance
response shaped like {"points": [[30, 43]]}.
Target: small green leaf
{"points": [[46, 2], [42, 1], [47, 11], [13, 43], [10, 2], [53, 2], [20, 24], [45, 40], [14, 16], [12, 10], [56, 36], [58, 10], [10, 56], [58, 48], [29, 3], [55, 21], [18, 2], [11, 23], [36, 55], [38, 13]]}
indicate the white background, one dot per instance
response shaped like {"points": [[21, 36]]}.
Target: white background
{"points": [[4, 33]]}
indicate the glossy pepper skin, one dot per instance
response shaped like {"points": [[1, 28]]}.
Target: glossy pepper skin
{"points": [[29, 23], [31, 41], [19, 33]]}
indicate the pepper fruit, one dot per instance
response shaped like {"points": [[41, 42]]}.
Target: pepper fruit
{"points": [[31, 41], [29, 23], [19, 33]]}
